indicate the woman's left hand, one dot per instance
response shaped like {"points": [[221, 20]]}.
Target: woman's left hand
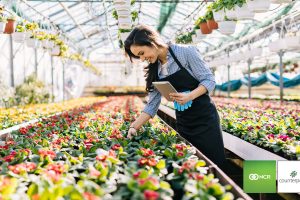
{"points": [[181, 98]]}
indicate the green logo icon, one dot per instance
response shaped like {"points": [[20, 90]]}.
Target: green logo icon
{"points": [[260, 176], [293, 174]]}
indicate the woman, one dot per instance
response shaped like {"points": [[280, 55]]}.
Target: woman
{"points": [[183, 67]]}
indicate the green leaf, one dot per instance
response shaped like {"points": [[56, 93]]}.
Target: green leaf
{"points": [[164, 185], [33, 189], [168, 152]]}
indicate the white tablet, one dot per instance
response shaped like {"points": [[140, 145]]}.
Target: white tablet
{"points": [[165, 88]]}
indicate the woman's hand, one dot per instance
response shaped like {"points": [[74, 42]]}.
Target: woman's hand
{"points": [[181, 98], [131, 132]]}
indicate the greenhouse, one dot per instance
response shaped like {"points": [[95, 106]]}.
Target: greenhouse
{"points": [[149, 99]]}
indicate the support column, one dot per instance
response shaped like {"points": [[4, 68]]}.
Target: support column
{"points": [[63, 81], [35, 62], [52, 76], [229, 84], [281, 74], [249, 78], [11, 61]]}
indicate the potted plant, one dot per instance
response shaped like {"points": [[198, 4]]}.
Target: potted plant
{"points": [[243, 12], [184, 38], [19, 34], [211, 23], [124, 22], [30, 28], [3, 22], [10, 25], [124, 33], [32, 41], [227, 26], [203, 25], [258, 6]]}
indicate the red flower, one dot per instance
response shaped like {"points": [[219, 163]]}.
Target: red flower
{"points": [[23, 130], [116, 147], [142, 161], [270, 136], [136, 174], [151, 195], [152, 162], [147, 152], [10, 157], [22, 167], [94, 173], [101, 157], [90, 196], [44, 153], [57, 167], [180, 154], [284, 137], [180, 147]]}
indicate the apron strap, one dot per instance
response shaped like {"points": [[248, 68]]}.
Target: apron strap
{"points": [[175, 58]]}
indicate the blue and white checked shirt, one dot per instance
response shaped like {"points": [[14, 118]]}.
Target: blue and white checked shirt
{"points": [[190, 58]]}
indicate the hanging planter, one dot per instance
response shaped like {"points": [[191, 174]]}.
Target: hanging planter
{"points": [[123, 13], [31, 42], [219, 16], [204, 28], [124, 36], [259, 6], [124, 22], [227, 27], [231, 14], [243, 12], [199, 34], [10, 26], [55, 51], [18, 37], [212, 24], [122, 6], [277, 45], [292, 42], [2, 26]]}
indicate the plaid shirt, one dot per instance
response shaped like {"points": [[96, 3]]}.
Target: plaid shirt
{"points": [[190, 58]]}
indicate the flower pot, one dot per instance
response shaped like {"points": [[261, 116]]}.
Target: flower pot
{"points": [[31, 43], [243, 12], [204, 28], [18, 37], [10, 26], [281, 1], [219, 16], [227, 27], [259, 6], [292, 42], [55, 51], [124, 36], [212, 24], [2, 26], [123, 13], [122, 6], [199, 34], [231, 14], [277, 45], [124, 22]]}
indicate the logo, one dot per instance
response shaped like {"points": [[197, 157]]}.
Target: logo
{"points": [[288, 181], [293, 174], [259, 176], [255, 177]]}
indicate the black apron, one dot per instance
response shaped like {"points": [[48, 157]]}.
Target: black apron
{"points": [[200, 123]]}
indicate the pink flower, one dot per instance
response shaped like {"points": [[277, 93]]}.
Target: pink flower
{"points": [[93, 172], [270, 136], [284, 137], [116, 147], [22, 167], [147, 152], [49, 153], [151, 195], [136, 175], [180, 154], [90, 196]]}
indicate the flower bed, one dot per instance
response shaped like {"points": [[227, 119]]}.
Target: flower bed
{"points": [[267, 124], [84, 154], [17, 115]]}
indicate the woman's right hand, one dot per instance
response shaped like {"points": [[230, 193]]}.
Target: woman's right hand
{"points": [[131, 132]]}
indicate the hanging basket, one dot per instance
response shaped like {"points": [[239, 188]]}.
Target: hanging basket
{"points": [[55, 51], [124, 22], [10, 26], [31, 43], [204, 28], [212, 24], [227, 27], [292, 42], [18, 37], [243, 12], [219, 16], [231, 14], [124, 36], [122, 6], [123, 13], [277, 45], [259, 6], [199, 34], [2, 26]]}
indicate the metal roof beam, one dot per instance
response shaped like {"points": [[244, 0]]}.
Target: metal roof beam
{"points": [[62, 10]]}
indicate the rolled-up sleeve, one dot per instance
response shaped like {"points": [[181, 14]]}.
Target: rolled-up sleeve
{"points": [[200, 69], [153, 103]]}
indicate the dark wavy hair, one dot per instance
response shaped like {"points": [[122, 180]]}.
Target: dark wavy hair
{"points": [[143, 35]]}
